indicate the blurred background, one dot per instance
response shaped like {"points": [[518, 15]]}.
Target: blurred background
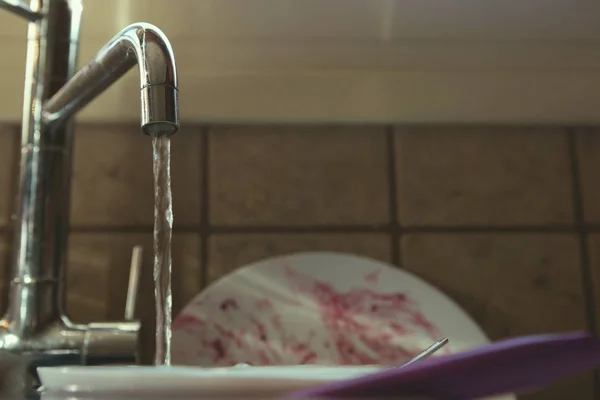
{"points": [[457, 140]]}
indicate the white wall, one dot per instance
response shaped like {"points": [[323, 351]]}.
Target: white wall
{"points": [[534, 61]]}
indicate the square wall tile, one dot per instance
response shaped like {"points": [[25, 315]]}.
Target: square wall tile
{"points": [[588, 154], [228, 252], [298, 175], [511, 284], [9, 152], [594, 253], [89, 264], [98, 275], [113, 180], [483, 176]]}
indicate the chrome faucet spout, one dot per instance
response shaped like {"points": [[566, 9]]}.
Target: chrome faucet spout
{"points": [[35, 323], [142, 44]]}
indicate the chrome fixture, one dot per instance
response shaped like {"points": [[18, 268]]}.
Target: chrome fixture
{"points": [[34, 324]]}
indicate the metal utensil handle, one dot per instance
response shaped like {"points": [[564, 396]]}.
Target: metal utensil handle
{"points": [[134, 280], [428, 351]]}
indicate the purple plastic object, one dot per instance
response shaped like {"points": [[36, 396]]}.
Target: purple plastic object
{"points": [[511, 366]]}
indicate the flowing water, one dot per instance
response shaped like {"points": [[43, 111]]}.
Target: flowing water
{"points": [[163, 230]]}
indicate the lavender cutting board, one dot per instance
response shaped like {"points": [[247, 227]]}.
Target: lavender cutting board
{"points": [[512, 366]]}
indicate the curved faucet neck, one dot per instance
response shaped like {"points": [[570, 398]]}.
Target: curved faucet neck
{"points": [[34, 321]]}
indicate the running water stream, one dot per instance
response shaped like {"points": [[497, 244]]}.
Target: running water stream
{"points": [[163, 230]]}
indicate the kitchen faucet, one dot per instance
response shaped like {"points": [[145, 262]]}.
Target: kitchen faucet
{"points": [[34, 324]]}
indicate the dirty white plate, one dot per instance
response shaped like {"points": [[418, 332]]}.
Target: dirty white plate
{"points": [[319, 308], [305, 308], [176, 382], [180, 381]]}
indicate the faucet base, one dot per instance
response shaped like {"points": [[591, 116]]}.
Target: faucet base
{"points": [[65, 343]]}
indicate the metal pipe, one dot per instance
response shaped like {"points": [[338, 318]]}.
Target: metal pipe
{"points": [[142, 44], [42, 219]]}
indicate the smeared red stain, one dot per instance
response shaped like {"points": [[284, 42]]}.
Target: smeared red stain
{"points": [[372, 278], [218, 349], [186, 320], [309, 358], [276, 322], [198, 302], [264, 304], [230, 335], [229, 303], [300, 347], [363, 325], [401, 297], [260, 329]]}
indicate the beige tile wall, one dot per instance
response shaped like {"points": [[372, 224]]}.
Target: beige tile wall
{"points": [[504, 220]]}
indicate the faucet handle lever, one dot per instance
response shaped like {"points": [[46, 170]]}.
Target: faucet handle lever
{"points": [[134, 279]]}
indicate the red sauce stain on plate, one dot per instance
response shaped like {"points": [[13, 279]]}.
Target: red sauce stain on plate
{"points": [[358, 327]]}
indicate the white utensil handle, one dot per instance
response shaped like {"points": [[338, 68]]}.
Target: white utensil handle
{"points": [[134, 280]]}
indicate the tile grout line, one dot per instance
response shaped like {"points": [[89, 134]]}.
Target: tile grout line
{"points": [[579, 227], [490, 229], [587, 284], [392, 195], [299, 229], [204, 228]]}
